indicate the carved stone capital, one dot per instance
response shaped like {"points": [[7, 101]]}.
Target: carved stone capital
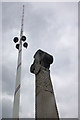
{"points": [[41, 59]]}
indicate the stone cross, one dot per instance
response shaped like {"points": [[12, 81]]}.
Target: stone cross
{"points": [[45, 106]]}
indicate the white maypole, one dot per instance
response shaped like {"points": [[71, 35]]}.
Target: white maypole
{"points": [[18, 74]]}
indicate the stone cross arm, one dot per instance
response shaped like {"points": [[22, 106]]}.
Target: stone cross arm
{"points": [[41, 58]]}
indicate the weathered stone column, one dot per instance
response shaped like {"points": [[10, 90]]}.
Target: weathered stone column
{"points": [[45, 106]]}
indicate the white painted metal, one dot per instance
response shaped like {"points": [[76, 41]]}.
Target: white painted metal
{"points": [[18, 75]]}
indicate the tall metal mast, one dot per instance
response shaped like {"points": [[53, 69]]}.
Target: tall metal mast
{"points": [[18, 74]]}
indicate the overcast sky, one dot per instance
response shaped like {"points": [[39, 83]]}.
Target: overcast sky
{"points": [[52, 27]]}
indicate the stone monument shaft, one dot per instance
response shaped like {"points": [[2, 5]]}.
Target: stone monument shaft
{"points": [[45, 104]]}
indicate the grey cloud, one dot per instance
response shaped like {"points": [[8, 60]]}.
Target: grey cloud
{"points": [[63, 61], [8, 83], [47, 26], [6, 108]]}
